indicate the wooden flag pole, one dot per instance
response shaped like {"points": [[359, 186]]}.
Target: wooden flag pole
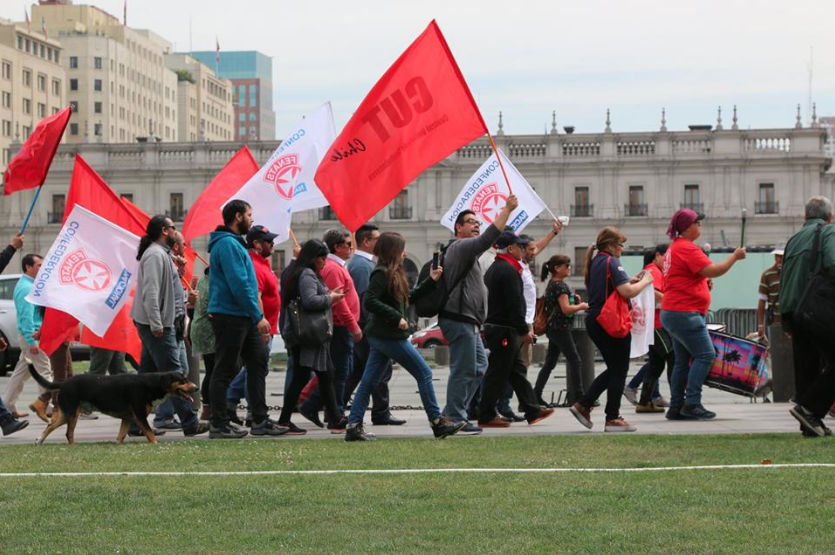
{"points": [[293, 237], [31, 208], [499, 158], [203, 260]]}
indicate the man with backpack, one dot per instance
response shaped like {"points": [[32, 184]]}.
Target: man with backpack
{"points": [[463, 313]]}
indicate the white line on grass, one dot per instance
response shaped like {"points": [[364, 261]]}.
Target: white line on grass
{"points": [[411, 471]]}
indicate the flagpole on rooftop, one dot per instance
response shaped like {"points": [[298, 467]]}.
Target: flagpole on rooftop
{"points": [[499, 158], [31, 208]]}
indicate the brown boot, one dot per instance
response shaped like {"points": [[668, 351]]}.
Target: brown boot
{"points": [[206, 415], [39, 408]]}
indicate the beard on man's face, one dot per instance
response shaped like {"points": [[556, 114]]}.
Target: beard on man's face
{"points": [[170, 241]]}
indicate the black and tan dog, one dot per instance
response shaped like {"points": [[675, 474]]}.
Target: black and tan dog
{"points": [[128, 397]]}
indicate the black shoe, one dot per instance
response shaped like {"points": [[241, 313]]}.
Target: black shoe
{"points": [[357, 433], [232, 409], [388, 421], [226, 432], [169, 425], [469, 429], [512, 417], [674, 413], [138, 433], [339, 426], [292, 429], [268, 427], [196, 429], [444, 427], [806, 433], [312, 416], [697, 412], [809, 421], [13, 425]]}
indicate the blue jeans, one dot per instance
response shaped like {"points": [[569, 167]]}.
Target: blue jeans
{"points": [[4, 411], [690, 339], [164, 413], [638, 379], [342, 356], [238, 389], [165, 354], [467, 366], [402, 352]]}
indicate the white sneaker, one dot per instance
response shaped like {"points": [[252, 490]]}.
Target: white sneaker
{"points": [[631, 394], [87, 416], [661, 402]]}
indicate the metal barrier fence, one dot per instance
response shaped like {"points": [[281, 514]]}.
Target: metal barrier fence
{"points": [[738, 321]]}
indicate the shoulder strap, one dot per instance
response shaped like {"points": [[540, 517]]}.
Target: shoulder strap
{"points": [[608, 276], [815, 254]]}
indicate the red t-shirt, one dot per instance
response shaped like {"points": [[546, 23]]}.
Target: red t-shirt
{"points": [[268, 287], [658, 284], [685, 290]]}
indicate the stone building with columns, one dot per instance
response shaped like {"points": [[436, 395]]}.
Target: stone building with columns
{"points": [[634, 181]]}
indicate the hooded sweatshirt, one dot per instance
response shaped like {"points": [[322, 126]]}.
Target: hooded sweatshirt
{"points": [[233, 289]]}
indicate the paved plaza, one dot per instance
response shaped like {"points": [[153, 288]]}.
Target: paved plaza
{"points": [[736, 414]]}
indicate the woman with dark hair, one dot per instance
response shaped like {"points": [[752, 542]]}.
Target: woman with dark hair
{"points": [[386, 300], [561, 304], [605, 274], [305, 283]]}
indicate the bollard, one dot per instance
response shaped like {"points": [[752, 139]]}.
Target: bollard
{"points": [[782, 364], [441, 355], [538, 352], [587, 351]]}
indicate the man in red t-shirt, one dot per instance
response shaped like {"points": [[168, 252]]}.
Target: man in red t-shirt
{"points": [[259, 242], [683, 310]]}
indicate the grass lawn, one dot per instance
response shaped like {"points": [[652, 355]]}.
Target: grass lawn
{"points": [[759, 511]]}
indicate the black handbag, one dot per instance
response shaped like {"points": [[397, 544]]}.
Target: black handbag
{"points": [[815, 310], [312, 329]]}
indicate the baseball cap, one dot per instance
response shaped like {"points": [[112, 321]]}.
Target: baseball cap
{"points": [[779, 250], [683, 219], [508, 238], [259, 233]]}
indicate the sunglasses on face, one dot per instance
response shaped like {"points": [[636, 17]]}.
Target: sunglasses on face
{"points": [[472, 222]]}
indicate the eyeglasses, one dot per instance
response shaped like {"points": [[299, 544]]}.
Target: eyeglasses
{"points": [[348, 243], [169, 227], [472, 221]]}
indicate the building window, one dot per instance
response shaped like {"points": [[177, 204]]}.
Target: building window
{"points": [[27, 78], [97, 62], [97, 129], [636, 205], [279, 260], [27, 106], [253, 95], [59, 203], [41, 82], [73, 84], [327, 214], [97, 85], [691, 198], [7, 70], [127, 196], [767, 203], [74, 106], [399, 208], [56, 87], [579, 261], [581, 207], [73, 62], [7, 129], [241, 95], [73, 129], [175, 204], [7, 99], [97, 107], [41, 110]]}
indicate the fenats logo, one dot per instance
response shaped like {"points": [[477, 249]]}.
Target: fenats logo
{"points": [[282, 174], [488, 202], [85, 273], [639, 319]]}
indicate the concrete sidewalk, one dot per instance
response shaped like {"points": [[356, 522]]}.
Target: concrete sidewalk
{"points": [[736, 415]]}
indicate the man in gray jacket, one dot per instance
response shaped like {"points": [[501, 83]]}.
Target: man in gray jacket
{"points": [[153, 314], [464, 313]]}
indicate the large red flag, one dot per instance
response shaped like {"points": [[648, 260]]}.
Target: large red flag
{"points": [[89, 190], [416, 114], [30, 165], [205, 214]]}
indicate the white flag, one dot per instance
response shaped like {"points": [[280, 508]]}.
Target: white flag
{"points": [[486, 194], [285, 184], [89, 271], [643, 322]]}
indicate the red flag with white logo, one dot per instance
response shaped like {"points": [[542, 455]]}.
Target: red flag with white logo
{"points": [[30, 165], [417, 114]]}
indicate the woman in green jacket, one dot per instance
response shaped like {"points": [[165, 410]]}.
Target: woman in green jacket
{"points": [[386, 301]]}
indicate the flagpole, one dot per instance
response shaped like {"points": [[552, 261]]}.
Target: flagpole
{"points": [[499, 158], [31, 208], [293, 236]]}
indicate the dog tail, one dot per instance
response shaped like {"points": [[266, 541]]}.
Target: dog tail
{"points": [[43, 382]]}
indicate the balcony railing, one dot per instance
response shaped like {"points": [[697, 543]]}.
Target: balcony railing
{"points": [[582, 210], [694, 206], [635, 209], [770, 207], [400, 212], [54, 217]]}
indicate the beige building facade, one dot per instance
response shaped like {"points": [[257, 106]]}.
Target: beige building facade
{"points": [[32, 82], [205, 110], [117, 80]]}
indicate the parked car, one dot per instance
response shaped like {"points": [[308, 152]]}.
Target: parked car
{"points": [[428, 338], [8, 327]]}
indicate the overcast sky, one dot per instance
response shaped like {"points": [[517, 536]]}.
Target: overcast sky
{"points": [[529, 58]]}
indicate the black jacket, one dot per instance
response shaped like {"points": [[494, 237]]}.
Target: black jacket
{"points": [[505, 297], [6, 257]]}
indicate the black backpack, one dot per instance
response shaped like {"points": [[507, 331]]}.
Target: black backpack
{"points": [[430, 305]]}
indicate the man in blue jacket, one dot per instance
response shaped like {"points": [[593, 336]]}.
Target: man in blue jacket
{"points": [[239, 324]]}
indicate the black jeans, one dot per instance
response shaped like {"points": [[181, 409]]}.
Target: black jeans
{"points": [[612, 380], [237, 336], [206, 386], [661, 355], [301, 375], [814, 370], [380, 394], [505, 365], [561, 341]]}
